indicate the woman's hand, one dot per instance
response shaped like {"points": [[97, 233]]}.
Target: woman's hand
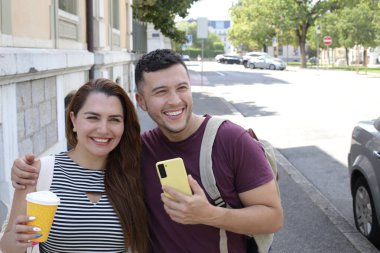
{"points": [[20, 235]]}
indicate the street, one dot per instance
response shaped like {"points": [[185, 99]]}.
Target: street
{"points": [[308, 115]]}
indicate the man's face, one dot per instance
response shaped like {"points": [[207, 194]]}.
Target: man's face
{"points": [[166, 96]]}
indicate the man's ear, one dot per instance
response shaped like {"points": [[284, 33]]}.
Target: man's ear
{"points": [[140, 100]]}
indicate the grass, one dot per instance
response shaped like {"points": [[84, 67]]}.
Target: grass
{"points": [[360, 69]]}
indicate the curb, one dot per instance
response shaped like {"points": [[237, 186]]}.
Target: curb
{"points": [[352, 235]]}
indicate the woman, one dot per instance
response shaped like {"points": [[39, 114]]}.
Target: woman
{"points": [[98, 181]]}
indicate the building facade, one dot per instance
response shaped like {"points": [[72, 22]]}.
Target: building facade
{"points": [[156, 40], [220, 27], [49, 48]]}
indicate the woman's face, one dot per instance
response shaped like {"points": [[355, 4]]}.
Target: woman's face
{"points": [[99, 125]]}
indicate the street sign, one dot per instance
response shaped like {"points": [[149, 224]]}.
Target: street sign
{"points": [[202, 28], [189, 38], [327, 40]]}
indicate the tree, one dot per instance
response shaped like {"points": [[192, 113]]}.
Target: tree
{"points": [[355, 24], [265, 19], [360, 24], [161, 13]]}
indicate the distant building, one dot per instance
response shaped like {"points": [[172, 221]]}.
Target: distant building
{"points": [[220, 27], [156, 40]]}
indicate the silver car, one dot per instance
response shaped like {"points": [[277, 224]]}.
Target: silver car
{"points": [[364, 168], [251, 55], [266, 62]]}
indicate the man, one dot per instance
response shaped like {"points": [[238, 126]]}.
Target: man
{"points": [[243, 176]]}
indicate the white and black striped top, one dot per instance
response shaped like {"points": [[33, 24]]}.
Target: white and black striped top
{"points": [[80, 225]]}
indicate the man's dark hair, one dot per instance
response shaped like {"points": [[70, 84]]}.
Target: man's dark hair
{"points": [[156, 60]]}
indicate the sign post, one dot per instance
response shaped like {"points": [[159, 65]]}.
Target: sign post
{"points": [[327, 40], [202, 33]]}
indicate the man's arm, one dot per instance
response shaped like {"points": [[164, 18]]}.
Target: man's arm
{"points": [[262, 213], [24, 172]]}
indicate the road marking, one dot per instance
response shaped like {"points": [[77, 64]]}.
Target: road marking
{"points": [[220, 73]]}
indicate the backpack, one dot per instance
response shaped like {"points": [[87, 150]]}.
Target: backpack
{"points": [[263, 241]]}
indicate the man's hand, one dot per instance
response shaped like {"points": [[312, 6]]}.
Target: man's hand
{"points": [[185, 209], [25, 171]]}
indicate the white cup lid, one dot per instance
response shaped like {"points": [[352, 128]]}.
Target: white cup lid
{"points": [[43, 198]]}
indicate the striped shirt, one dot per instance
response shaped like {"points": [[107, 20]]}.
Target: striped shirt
{"points": [[80, 225]]}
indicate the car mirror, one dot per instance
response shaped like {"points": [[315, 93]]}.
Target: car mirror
{"points": [[376, 124]]}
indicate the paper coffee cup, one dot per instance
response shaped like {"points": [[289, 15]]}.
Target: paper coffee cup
{"points": [[42, 205]]}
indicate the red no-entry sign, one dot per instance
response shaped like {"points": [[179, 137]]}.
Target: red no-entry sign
{"points": [[327, 40]]}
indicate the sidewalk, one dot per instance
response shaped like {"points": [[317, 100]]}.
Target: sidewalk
{"points": [[312, 223]]}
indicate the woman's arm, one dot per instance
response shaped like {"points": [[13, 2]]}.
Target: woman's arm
{"points": [[17, 235]]}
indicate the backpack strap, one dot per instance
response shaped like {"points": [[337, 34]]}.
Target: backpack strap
{"points": [[205, 161], [207, 174], [46, 173]]}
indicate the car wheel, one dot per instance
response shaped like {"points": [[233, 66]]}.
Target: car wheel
{"points": [[251, 66], [272, 67], [364, 211]]}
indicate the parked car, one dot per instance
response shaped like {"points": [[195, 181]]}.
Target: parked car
{"points": [[251, 55], [230, 59], [218, 57], [313, 60], [185, 57], [266, 62], [364, 169]]}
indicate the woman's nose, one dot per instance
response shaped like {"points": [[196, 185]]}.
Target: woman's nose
{"points": [[102, 127]]}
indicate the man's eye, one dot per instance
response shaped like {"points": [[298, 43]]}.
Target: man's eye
{"points": [[183, 88], [160, 92]]}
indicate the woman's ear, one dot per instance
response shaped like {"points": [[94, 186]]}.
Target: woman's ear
{"points": [[72, 118]]}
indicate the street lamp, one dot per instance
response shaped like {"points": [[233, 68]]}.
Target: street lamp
{"points": [[317, 32]]}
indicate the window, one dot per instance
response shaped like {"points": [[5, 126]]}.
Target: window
{"points": [[69, 6], [115, 14]]}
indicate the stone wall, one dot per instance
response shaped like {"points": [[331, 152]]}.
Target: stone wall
{"points": [[37, 115]]}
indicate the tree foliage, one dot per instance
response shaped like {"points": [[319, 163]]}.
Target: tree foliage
{"points": [[287, 20], [161, 13]]}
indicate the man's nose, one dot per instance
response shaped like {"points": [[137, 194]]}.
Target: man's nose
{"points": [[174, 98]]}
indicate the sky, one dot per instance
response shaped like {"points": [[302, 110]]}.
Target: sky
{"points": [[210, 9]]}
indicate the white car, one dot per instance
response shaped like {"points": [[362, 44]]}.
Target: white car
{"points": [[185, 57], [266, 62]]}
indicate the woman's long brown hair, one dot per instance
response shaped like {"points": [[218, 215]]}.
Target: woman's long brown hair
{"points": [[122, 170]]}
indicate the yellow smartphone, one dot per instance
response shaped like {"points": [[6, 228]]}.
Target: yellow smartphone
{"points": [[173, 173]]}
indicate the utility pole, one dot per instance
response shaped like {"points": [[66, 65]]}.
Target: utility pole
{"points": [[202, 33]]}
